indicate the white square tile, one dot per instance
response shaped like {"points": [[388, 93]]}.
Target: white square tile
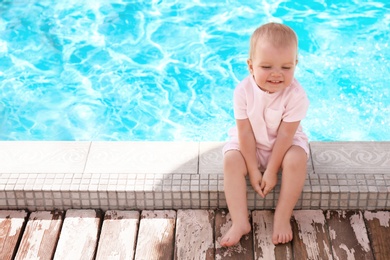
{"points": [[143, 157], [351, 157], [43, 157], [168, 204], [211, 158]]}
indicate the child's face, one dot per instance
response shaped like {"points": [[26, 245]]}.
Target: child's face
{"points": [[273, 67]]}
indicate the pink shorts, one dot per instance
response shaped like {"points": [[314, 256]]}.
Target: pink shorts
{"points": [[261, 154]]}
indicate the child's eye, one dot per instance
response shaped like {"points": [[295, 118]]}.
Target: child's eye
{"points": [[265, 67], [286, 68]]}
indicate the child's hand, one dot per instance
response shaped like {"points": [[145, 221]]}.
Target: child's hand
{"points": [[268, 182], [256, 180]]}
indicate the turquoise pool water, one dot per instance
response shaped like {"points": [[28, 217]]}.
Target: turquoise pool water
{"points": [[166, 70]]}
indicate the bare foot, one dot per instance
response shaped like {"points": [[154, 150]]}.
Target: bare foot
{"points": [[282, 231], [234, 234]]}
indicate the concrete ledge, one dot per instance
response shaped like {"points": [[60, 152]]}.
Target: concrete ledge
{"points": [[177, 175]]}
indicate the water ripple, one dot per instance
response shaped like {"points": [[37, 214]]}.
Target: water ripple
{"points": [[166, 70]]}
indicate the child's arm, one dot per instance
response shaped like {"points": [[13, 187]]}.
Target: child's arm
{"points": [[283, 142], [247, 143]]}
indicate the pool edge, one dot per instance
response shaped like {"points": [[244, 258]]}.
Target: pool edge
{"points": [[176, 175]]}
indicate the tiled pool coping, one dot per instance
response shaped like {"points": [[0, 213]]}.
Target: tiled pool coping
{"points": [[176, 175]]}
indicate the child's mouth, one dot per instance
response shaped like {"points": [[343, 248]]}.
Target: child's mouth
{"points": [[275, 81]]}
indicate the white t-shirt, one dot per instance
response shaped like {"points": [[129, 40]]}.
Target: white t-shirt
{"points": [[265, 111]]}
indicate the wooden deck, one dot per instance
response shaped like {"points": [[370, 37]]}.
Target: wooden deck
{"points": [[189, 234]]}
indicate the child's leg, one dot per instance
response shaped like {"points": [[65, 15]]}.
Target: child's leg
{"points": [[293, 180], [235, 192]]}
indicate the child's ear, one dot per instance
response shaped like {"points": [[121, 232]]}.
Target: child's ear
{"points": [[296, 62], [250, 65]]}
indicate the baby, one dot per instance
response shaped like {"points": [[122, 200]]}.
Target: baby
{"points": [[268, 107]]}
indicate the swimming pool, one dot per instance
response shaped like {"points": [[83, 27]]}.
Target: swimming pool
{"points": [[166, 70]]}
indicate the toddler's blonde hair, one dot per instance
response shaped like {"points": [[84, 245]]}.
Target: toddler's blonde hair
{"points": [[279, 34]]}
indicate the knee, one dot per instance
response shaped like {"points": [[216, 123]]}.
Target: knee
{"points": [[233, 162], [295, 159]]}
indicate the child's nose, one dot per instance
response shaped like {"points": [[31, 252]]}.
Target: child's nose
{"points": [[276, 73]]}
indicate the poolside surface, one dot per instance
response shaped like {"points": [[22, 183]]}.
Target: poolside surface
{"points": [[177, 175], [166, 200]]}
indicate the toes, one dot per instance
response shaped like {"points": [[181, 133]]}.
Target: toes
{"points": [[224, 241], [233, 236], [285, 239], [275, 240], [281, 239]]}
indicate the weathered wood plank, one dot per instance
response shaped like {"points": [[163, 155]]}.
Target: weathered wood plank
{"points": [[378, 224], [78, 236], [242, 251], [262, 222], [118, 235], [11, 224], [194, 234], [41, 235], [310, 236], [156, 235], [348, 235]]}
